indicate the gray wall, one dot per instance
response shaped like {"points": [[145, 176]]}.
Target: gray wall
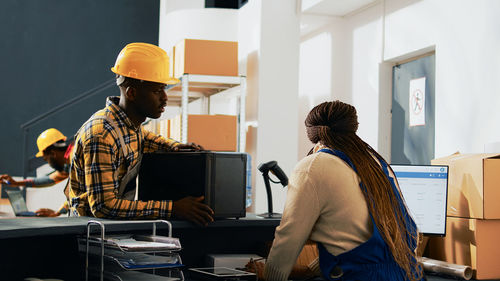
{"points": [[54, 50]]}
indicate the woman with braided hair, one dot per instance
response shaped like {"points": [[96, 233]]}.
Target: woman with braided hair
{"points": [[344, 196]]}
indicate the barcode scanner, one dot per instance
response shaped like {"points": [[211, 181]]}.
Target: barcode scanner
{"points": [[272, 166], [265, 168]]}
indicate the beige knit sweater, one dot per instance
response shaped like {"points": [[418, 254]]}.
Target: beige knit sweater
{"points": [[325, 204]]}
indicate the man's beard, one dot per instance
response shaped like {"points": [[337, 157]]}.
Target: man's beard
{"points": [[57, 167]]}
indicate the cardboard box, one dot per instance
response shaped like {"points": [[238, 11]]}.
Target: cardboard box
{"points": [[206, 57], [213, 132], [472, 242], [473, 185]]}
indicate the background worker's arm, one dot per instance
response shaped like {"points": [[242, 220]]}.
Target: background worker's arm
{"points": [[44, 181], [46, 212]]}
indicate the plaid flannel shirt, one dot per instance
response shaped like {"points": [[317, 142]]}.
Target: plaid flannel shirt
{"points": [[98, 165]]}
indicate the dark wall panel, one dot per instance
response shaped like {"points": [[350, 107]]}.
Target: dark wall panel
{"points": [[54, 50]]}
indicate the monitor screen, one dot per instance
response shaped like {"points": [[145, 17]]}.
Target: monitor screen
{"points": [[425, 190]]}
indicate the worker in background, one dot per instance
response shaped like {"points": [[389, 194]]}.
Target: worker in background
{"points": [[109, 146], [56, 151]]}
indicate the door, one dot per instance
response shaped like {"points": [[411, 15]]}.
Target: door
{"points": [[413, 104]]}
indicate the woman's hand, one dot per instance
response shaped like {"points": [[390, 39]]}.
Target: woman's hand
{"points": [[256, 267]]}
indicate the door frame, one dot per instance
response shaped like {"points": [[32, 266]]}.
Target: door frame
{"points": [[385, 96]]}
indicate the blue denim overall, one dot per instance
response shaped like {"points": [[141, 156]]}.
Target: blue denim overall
{"points": [[371, 260]]}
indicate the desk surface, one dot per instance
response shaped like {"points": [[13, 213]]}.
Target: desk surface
{"points": [[40, 226]]}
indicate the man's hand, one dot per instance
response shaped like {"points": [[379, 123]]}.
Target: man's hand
{"points": [[6, 179], [192, 208], [44, 212], [187, 147]]}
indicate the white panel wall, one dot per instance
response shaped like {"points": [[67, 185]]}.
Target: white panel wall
{"points": [[249, 28], [315, 87], [189, 19], [464, 34], [350, 57], [278, 94], [467, 39], [348, 60]]}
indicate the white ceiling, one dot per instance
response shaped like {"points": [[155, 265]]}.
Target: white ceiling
{"points": [[337, 8]]}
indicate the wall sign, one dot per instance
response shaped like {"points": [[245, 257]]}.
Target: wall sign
{"points": [[417, 102]]}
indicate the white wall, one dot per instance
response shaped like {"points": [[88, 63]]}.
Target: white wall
{"points": [[349, 50], [467, 41], [278, 94], [464, 34], [180, 19], [349, 59], [249, 28]]}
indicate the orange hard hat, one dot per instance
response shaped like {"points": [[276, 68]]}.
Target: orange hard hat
{"points": [[48, 138], [144, 61]]}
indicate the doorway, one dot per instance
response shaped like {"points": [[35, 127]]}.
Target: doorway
{"points": [[413, 111]]}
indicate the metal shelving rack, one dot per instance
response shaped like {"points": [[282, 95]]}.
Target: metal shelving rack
{"points": [[106, 245], [194, 87]]}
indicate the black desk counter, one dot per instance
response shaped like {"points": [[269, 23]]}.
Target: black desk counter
{"points": [[47, 247], [40, 226]]}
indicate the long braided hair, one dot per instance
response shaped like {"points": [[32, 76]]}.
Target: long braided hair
{"points": [[334, 124]]}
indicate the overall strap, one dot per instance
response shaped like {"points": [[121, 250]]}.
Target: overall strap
{"points": [[340, 155]]}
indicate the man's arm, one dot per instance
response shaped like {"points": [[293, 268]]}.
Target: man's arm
{"points": [[101, 183], [153, 142]]}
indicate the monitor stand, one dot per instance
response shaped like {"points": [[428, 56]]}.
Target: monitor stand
{"points": [[270, 215]]}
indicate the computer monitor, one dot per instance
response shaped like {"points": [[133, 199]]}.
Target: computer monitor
{"points": [[425, 190]]}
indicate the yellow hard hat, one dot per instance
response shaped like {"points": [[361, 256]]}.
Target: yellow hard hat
{"points": [[144, 61], [48, 138]]}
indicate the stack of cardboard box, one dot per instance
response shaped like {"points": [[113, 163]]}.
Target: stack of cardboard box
{"points": [[473, 214], [205, 57], [213, 132]]}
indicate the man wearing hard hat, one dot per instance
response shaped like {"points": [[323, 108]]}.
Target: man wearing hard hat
{"points": [[56, 151], [109, 146]]}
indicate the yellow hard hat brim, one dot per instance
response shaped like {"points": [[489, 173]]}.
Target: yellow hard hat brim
{"points": [[172, 81], [39, 154]]}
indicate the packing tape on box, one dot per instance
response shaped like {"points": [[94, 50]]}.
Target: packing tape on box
{"points": [[451, 269]]}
